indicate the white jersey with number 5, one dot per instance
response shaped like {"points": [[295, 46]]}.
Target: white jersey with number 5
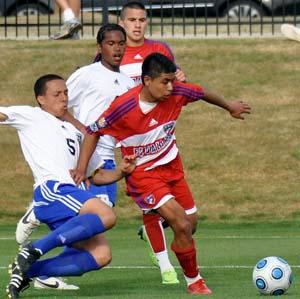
{"points": [[50, 146]]}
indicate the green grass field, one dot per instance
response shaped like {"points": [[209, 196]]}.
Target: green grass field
{"points": [[239, 172], [226, 253]]}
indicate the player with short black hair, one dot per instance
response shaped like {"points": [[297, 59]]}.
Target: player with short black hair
{"points": [[91, 89], [143, 120], [133, 18], [75, 216]]}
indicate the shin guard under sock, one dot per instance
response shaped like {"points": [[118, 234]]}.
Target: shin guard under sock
{"points": [[79, 228], [155, 232], [75, 263], [187, 258]]}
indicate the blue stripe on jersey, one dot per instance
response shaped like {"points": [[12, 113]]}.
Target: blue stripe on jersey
{"points": [[187, 92], [121, 110]]}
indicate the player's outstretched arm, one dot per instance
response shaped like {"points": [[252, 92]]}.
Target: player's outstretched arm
{"points": [[235, 108], [105, 176], [3, 117], [86, 151]]}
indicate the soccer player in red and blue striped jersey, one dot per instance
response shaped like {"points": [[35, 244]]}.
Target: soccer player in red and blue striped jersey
{"points": [[143, 121]]}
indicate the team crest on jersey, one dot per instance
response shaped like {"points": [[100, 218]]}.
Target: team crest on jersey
{"points": [[150, 199], [168, 128]]}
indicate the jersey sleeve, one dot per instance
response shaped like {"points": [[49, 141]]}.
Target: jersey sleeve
{"points": [[106, 124], [114, 120], [188, 92], [18, 116]]}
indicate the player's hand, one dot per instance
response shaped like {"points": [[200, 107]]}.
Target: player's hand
{"points": [[128, 164], [77, 175], [238, 108], [180, 75], [87, 183]]}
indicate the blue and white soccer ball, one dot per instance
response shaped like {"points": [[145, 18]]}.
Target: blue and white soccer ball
{"points": [[272, 275]]}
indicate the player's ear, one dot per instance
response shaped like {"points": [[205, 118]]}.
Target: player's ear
{"points": [[147, 80], [99, 48], [40, 100]]}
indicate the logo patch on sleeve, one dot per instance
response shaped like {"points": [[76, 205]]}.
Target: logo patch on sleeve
{"points": [[93, 128], [97, 125], [102, 123]]}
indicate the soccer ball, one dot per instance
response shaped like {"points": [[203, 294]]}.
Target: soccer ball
{"points": [[272, 275]]}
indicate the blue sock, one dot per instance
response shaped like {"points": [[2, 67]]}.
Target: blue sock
{"points": [[75, 263], [79, 228], [67, 251]]}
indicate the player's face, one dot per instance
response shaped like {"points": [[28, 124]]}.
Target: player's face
{"points": [[160, 88], [55, 99], [135, 24], [112, 49]]}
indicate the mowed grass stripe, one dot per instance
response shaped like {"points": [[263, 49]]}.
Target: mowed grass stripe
{"points": [[203, 238], [226, 264]]}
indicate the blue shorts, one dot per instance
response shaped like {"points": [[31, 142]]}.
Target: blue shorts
{"points": [[108, 193], [55, 202]]}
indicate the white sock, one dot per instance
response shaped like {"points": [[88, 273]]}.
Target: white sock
{"points": [[190, 280], [68, 15], [163, 261]]}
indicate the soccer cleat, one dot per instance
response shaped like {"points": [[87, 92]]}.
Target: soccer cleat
{"points": [[26, 257], [290, 31], [143, 236], [18, 282], [56, 283], [68, 29], [27, 224], [169, 277], [199, 288]]}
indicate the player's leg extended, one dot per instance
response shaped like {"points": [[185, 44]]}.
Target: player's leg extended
{"points": [[85, 256], [25, 227], [107, 193], [90, 255], [63, 204], [183, 245], [94, 217]]}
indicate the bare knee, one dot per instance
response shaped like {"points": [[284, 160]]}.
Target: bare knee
{"points": [[102, 257], [193, 218], [105, 213], [109, 219], [183, 227]]}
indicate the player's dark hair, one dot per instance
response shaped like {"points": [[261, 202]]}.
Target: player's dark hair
{"points": [[40, 84], [131, 4], [155, 64], [102, 32]]}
